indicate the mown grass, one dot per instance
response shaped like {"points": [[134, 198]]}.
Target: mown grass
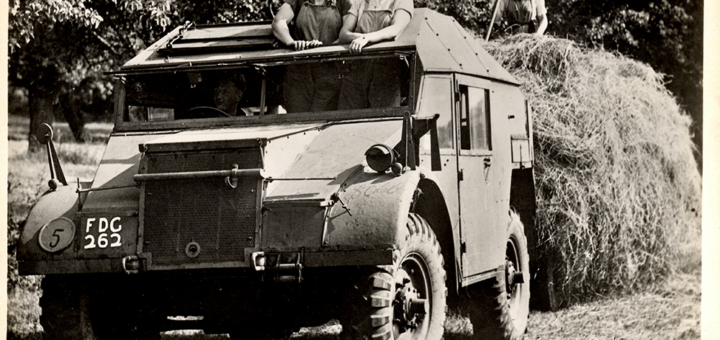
{"points": [[95, 133]]}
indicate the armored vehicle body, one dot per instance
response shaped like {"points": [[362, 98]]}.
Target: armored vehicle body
{"points": [[256, 220]]}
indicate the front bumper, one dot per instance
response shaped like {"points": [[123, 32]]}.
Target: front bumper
{"points": [[335, 258]]}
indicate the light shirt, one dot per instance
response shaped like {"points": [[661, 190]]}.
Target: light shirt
{"points": [[521, 11], [342, 5], [360, 6]]}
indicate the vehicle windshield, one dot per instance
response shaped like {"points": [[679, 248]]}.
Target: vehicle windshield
{"points": [[271, 90]]}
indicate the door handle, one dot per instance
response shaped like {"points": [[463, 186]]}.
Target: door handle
{"points": [[486, 170]]}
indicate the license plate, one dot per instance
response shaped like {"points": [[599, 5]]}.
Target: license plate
{"points": [[103, 233], [108, 235]]}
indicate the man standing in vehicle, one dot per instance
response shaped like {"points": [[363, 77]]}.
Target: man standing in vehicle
{"points": [[373, 83], [311, 87], [524, 16]]}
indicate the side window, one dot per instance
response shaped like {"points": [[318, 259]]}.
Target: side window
{"points": [[436, 97], [474, 118]]}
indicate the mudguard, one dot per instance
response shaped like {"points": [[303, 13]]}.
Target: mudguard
{"points": [[376, 208], [63, 202]]}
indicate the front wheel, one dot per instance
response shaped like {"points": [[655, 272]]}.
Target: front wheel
{"points": [[501, 305], [75, 307], [65, 313], [405, 300]]}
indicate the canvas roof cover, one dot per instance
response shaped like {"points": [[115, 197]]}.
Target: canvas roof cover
{"points": [[441, 43]]}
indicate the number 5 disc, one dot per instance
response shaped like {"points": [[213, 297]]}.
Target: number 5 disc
{"points": [[57, 234]]}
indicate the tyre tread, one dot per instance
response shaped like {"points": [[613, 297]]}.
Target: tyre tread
{"points": [[377, 322], [490, 302]]}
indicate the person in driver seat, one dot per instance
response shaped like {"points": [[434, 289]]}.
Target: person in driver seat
{"points": [[228, 93]]}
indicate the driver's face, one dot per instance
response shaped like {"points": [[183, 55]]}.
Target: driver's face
{"points": [[227, 95]]}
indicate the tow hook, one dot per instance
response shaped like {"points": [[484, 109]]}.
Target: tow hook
{"points": [[258, 260], [131, 264], [407, 305]]}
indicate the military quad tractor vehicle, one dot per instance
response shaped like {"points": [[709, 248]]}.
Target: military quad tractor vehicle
{"points": [[256, 225]]}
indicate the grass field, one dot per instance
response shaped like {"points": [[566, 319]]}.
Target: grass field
{"points": [[670, 310]]}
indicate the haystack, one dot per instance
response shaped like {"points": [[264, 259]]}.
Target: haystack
{"points": [[618, 189]]}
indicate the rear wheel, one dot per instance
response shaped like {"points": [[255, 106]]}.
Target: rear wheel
{"points": [[405, 300], [501, 306]]}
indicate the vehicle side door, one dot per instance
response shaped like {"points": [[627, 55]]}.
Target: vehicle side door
{"points": [[480, 238]]}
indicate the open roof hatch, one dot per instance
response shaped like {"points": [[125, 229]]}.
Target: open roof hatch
{"points": [[197, 39]]}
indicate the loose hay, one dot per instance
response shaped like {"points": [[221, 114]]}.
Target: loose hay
{"points": [[618, 189]]}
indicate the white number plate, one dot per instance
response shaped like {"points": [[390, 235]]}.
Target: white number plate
{"points": [[102, 232]]}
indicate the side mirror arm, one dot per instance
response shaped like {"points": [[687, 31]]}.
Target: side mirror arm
{"points": [[44, 135]]}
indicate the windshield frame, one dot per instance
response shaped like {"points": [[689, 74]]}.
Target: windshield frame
{"points": [[121, 125]]}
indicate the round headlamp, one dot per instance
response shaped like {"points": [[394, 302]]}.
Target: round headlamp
{"points": [[380, 157]]}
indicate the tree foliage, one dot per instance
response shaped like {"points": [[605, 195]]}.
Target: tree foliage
{"points": [[472, 14], [666, 34], [59, 49]]}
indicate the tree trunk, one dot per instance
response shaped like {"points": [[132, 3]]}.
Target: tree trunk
{"points": [[71, 108], [41, 111]]}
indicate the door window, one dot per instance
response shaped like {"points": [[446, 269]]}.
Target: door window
{"points": [[436, 97], [474, 118]]}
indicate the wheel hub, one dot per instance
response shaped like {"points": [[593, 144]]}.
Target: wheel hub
{"points": [[512, 277], [408, 304]]}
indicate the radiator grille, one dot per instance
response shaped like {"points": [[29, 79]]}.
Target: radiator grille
{"points": [[221, 220]]}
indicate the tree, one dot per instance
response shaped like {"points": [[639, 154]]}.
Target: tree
{"points": [[471, 14], [59, 49], [58, 46], [666, 34]]}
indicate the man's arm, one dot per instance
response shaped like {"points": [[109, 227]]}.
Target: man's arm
{"points": [[542, 24], [280, 24], [347, 33], [400, 20], [281, 31], [541, 17]]}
